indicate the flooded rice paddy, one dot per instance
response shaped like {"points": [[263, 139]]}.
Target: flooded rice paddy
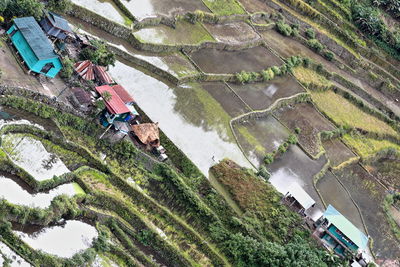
{"points": [[310, 122], [61, 240], [226, 98], [105, 8], [337, 152], [174, 63], [188, 115], [142, 9], [211, 60], [369, 195], [260, 96], [15, 191], [290, 167], [184, 33], [233, 33], [260, 136], [30, 155], [8, 258], [335, 194]]}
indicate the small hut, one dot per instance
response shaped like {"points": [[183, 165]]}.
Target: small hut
{"points": [[85, 70], [56, 26], [147, 133]]}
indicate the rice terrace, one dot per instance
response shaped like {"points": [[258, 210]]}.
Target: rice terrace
{"points": [[199, 133]]}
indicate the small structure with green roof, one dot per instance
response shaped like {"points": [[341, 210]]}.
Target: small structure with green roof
{"points": [[338, 233], [34, 47]]}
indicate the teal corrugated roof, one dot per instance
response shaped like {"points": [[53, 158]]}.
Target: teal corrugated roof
{"points": [[346, 227], [35, 37], [59, 22]]}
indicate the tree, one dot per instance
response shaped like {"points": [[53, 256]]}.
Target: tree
{"points": [[23, 8], [68, 68], [106, 96], [59, 5], [100, 55]]}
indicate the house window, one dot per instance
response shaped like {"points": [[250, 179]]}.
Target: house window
{"points": [[46, 68]]}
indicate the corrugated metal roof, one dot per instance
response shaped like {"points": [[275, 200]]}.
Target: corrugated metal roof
{"points": [[81, 95], [300, 195], [123, 94], [59, 22], [115, 105], [85, 69], [35, 37], [346, 227], [102, 75]]}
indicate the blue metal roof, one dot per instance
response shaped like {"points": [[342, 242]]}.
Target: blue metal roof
{"points": [[35, 37], [59, 22], [346, 227]]}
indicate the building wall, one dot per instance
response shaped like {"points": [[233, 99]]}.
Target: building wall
{"points": [[23, 48], [333, 230], [29, 56], [53, 71]]}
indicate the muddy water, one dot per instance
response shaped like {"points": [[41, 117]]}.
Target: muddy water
{"points": [[337, 152], [187, 115], [260, 136], [14, 260], [63, 241], [105, 8], [17, 192], [30, 154], [305, 117], [142, 9], [369, 194], [335, 194], [222, 61], [226, 97], [296, 166], [184, 33], [233, 33], [260, 96]]}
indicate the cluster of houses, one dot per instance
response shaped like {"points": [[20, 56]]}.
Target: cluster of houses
{"points": [[35, 44], [330, 228]]}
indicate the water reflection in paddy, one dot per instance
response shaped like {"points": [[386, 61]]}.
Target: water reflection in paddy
{"points": [[181, 121], [17, 192], [30, 154], [16, 260], [62, 241], [105, 8]]}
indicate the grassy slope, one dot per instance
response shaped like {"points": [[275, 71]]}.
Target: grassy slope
{"points": [[345, 113], [224, 7]]}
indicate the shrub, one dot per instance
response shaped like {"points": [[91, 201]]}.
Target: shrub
{"points": [[269, 158], [297, 130], [292, 139], [284, 28], [315, 45], [24, 8], [68, 68], [310, 33], [329, 55], [276, 70], [59, 5], [100, 55]]}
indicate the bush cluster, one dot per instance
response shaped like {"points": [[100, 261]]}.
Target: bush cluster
{"points": [[272, 72]]}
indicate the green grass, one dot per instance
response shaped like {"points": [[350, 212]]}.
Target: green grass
{"points": [[344, 113], [78, 189], [224, 7], [307, 76], [366, 147]]}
